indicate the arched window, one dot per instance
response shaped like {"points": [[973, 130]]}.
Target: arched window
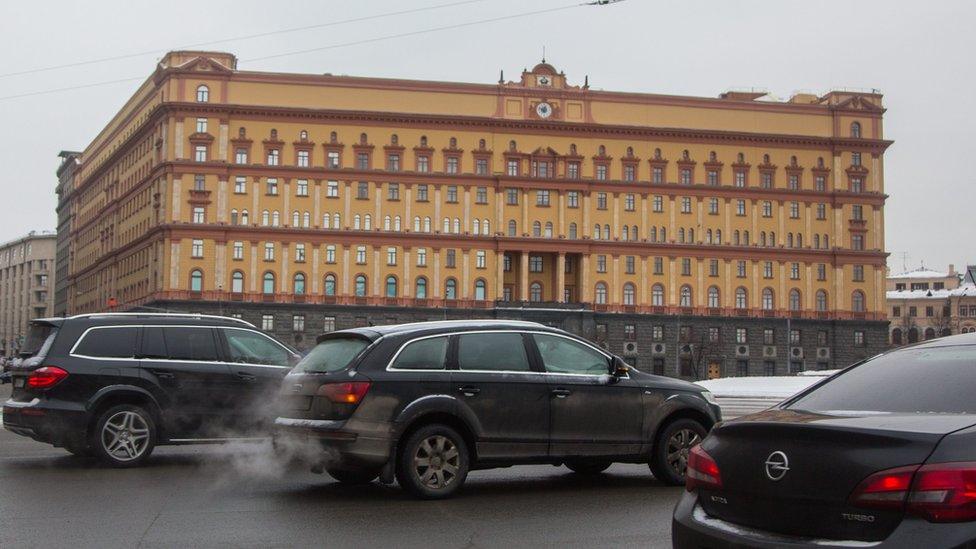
{"points": [[789, 240], [762, 238], [596, 232], [691, 236], [741, 298], [203, 94], [446, 225], [681, 235], [745, 238], [601, 293], [572, 231], [657, 154], [816, 241], [685, 296], [450, 289], [634, 235], [427, 224], [416, 224], [653, 234], [512, 228], [486, 227], [629, 294], [912, 334], [482, 144], [391, 286], [457, 226], [736, 237], [361, 285], [475, 226], [421, 288], [265, 218], [368, 222], [394, 139], [196, 280], [479, 290], [306, 220], [821, 299], [602, 150], [330, 284], [718, 236], [768, 301], [657, 295], [333, 137], [535, 292], [453, 142], [714, 300], [795, 304], [237, 282], [548, 231], [626, 233], [244, 217], [275, 218], [423, 140], [269, 283], [708, 236], [363, 140], [357, 222], [234, 217], [336, 221], [857, 301], [299, 284], [929, 333], [396, 223], [303, 135], [536, 228], [606, 232], [855, 129], [512, 146], [295, 219], [387, 223], [896, 336]]}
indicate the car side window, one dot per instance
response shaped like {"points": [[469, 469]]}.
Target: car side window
{"points": [[189, 343], [112, 342], [153, 344], [248, 347], [494, 352], [561, 355], [423, 354]]}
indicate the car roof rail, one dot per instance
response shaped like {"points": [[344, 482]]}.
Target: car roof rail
{"points": [[165, 315]]}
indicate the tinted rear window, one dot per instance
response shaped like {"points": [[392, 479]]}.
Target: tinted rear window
{"points": [[497, 352], [425, 354], [934, 380], [190, 344], [39, 339], [332, 355], [111, 342]]}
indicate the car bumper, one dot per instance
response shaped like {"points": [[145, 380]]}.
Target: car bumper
{"points": [[691, 527], [335, 443], [52, 422]]}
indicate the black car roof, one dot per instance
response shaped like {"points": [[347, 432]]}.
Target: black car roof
{"points": [[436, 327], [143, 318]]}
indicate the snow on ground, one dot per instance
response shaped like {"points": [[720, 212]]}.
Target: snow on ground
{"points": [[778, 387]]}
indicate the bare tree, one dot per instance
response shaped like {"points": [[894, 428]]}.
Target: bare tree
{"points": [[701, 352], [940, 321], [905, 322]]}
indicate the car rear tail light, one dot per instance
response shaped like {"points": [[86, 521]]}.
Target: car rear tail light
{"points": [[45, 377], [937, 492], [349, 392], [702, 471], [944, 492], [885, 489]]}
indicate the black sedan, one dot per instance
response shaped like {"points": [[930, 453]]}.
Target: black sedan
{"points": [[882, 454]]}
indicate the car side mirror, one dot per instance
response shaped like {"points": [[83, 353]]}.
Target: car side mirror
{"points": [[619, 368]]}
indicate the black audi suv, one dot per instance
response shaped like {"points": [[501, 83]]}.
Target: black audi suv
{"points": [[883, 454], [425, 403], [116, 385]]}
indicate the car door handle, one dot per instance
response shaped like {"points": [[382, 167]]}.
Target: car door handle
{"points": [[245, 376], [469, 391], [561, 393], [163, 374]]}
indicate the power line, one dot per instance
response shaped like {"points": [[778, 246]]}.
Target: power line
{"points": [[334, 46], [238, 38]]}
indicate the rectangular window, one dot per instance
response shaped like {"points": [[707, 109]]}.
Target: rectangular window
{"points": [[601, 263], [238, 252], [685, 205], [301, 187], [795, 337], [601, 172], [240, 156], [740, 269], [298, 323], [601, 201], [361, 255], [712, 267], [657, 175], [507, 263], [274, 157], [741, 336], [740, 208], [332, 189], [769, 336], [630, 202], [421, 193], [267, 323], [794, 182], [685, 176], [421, 257], [657, 333], [480, 259], [821, 271], [855, 159], [300, 253], [896, 311], [858, 338], [630, 173], [857, 242], [712, 177], [822, 338], [362, 161], [481, 195], [481, 166], [512, 168], [302, 159], [451, 259], [714, 334], [271, 186], [740, 179], [658, 265], [512, 197], [330, 254], [199, 214], [572, 170], [821, 211], [332, 159], [767, 209], [713, 206], [766, 180], [630, 332], [452, 164], [199, 182], [794, 271], [200, 153], [858, 273], [535, 263], [362, 191], [857, 212], [201, 125], [393, 162], [393, 191], [572, 199], [820, 183], [794, 210], [240, 185], [542, 198], [391, 256], [630, 264], [768, 269], [196, 249], [452, 194], [685, 266], [269, 251]]}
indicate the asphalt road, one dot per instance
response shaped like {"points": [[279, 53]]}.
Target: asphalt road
{"points": [[203, 496]]}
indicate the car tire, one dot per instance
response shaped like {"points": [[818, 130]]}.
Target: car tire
{"points": [[670, 455], [346, 476], [124, 436], [433, 462], [589, 467]]}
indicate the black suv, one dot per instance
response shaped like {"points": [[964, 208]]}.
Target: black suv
{"points": [[118, 384], [428, 402]]}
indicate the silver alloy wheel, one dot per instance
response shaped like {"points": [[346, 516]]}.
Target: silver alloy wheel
{"points": [[436, 462], [125, 436], [679, 446]]}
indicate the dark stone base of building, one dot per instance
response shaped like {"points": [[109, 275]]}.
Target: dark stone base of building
{"points": [[677, 346]]}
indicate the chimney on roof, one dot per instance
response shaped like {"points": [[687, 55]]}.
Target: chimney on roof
{"points": [[952, 269]]}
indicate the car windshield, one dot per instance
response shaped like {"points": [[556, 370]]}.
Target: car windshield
{"points": [[922, 380], [38, 340], [332, 355]]}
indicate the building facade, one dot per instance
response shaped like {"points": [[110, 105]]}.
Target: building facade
{"points": [[66, 178], [694, 236], [924, 304], [26, 286]]}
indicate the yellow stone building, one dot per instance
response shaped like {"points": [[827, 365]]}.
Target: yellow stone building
{"points": [[658, 225]]}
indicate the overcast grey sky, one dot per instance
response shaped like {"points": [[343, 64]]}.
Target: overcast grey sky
{"points": [[919, 54]]}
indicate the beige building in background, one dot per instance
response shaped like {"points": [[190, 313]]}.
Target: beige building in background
{"points": [[26, 285], [925, 304]]}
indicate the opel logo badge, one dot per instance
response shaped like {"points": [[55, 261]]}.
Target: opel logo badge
{"points": [[777, 465]]}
